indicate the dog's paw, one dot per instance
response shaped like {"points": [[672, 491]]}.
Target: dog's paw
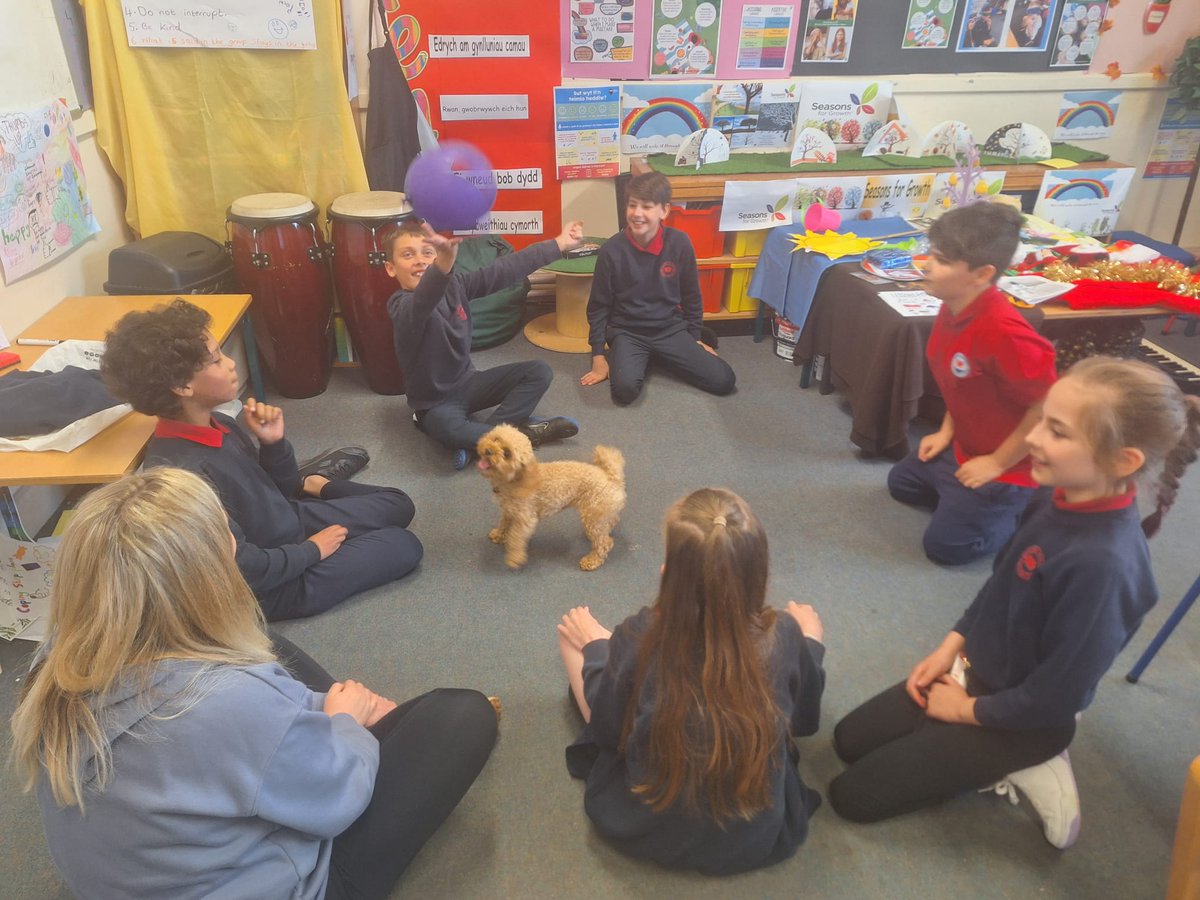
{"points": [[497, 535], [514, 561], [591, 561]]}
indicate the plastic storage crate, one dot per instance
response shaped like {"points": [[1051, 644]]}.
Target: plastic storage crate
{"points": [[746, 243], [701, 225], [712, 286], [736, 299]]}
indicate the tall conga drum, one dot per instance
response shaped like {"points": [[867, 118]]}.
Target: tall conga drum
{"points": [[280, 257], [358, 224]]}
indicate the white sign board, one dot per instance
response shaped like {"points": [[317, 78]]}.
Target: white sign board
{"points": [[465, 107], [527, 221], [227, 24], [477, 46]]}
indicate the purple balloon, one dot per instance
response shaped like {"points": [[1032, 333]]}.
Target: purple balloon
{"points": [[451, 187]]}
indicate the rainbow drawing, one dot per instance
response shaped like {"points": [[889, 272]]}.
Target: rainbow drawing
{"points": [[1088, 114], [686, 112], [1078, 189]]}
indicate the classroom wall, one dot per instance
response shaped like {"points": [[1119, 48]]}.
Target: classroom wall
{"points": [[1134, 50]]}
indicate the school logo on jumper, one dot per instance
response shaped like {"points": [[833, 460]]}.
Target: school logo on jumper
{"points": [[668, 269], [462, 313], [960, 366], [1029, 562]]}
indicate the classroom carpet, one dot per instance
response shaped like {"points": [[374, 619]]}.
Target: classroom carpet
{"points": [[837, 541]]}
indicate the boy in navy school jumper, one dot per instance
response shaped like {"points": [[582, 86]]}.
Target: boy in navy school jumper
{"points": [[993, 370], [431, 315], [299, 556], [645, 302]]}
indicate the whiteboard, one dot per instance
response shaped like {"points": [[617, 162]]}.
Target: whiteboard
{"points": [[33, 65]]}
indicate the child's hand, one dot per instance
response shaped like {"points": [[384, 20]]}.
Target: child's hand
{"points": [[265, 422], [808, 620], [329, 539], [977, 472], [948, 702], [932, 445], [598, 373], [708, 348], [580, 628], [571, 237], [355, 700], [446, 248], [927, 671]]}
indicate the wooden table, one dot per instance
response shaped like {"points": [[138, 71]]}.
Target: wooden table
{"points": [[566, 329], [118, 449]]}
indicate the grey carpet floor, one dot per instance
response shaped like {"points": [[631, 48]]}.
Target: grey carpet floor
{"points": [[837, 540]]}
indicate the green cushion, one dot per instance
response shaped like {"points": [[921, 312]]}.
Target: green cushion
{"points": [[497, 317]]}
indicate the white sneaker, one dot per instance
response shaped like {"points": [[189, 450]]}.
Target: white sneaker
{"points": [[1050, 788]]}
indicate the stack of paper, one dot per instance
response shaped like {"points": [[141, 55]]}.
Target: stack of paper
{"points": [[1033, 289]]}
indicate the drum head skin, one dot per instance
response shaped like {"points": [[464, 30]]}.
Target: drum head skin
{"points": [[272, 206], [371, 205]]}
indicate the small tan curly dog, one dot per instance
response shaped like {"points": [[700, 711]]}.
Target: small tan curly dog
{"points": [[528, 491]]}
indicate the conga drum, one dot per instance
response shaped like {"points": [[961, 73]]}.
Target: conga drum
{"points": [[358, 224], [280, 257]]}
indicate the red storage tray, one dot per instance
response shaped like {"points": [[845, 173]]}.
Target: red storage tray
{"points": [[712, 288], [701, 225]]}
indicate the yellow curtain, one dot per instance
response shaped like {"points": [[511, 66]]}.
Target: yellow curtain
{"points": [[188, 131]]}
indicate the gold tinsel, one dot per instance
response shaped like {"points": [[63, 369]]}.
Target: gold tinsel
{"points": [[1163, 273]]}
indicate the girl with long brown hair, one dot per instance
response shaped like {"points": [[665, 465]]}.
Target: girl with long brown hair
{"points": [[995, 705], [691, 704]]}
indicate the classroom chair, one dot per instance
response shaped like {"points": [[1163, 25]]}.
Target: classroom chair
{"points": [[1184, 883], [1165, 632]]}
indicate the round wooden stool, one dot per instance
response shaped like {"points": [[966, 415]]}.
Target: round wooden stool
{"points": [[566, 329]]}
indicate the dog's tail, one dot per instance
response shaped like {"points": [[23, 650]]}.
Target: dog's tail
{"points": [[612, 461]]}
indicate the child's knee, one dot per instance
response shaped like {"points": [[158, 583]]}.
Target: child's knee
{"points": [[948, 550], [851, 802], [539, 372], [625, 391]]}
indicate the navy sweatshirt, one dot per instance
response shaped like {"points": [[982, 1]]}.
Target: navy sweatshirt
{"points": [[1067, 593], [254, 485], [432, 325], [644, 291]]}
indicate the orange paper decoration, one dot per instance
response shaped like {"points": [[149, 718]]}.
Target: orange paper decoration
{"points": [[1113, 71], [1105, 25], [1157, 73]]}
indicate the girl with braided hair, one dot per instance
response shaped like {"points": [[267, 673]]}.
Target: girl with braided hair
{"points": [[995, 705], [692, 703]]}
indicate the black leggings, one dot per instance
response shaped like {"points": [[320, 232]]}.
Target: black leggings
{"points": [[901, 760], [431, 749]]}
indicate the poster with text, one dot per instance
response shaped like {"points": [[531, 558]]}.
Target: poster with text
{"points": [[587, 122], [226, 24], [754, 114], [1175, 144], [602, 32], [850, 112], [1085, 202], [686, 34], [1078, 32], [828, 30], [45, 210], [751, 205], [928, 24], [905, 195], [757, 39], [657, 117], [844, 193], [1086, 115], [1006, 26]]}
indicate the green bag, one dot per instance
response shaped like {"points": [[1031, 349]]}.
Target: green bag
{"points": [[497, 317]]}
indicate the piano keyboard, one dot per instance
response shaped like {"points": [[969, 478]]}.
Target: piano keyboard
{"points": [[1185, 374]]}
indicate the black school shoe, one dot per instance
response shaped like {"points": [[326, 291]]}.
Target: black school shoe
{"points": [[336, 465], [543, 431]]}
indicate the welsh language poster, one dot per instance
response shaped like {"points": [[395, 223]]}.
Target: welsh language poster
{"points": [[587, 123], [1175, 144], [1006, 26], [1086, 115], [657, 117], [685, 38], [828, 30], [757, 39], [241, 24], [45, 210], [602, 32], [756, 114], [850, 112], [1078, 32], [1087, 202], [928, 24]]}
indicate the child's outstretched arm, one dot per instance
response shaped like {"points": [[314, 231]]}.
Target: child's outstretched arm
{"points": [[981, 470], [510, 269], [431, 289]]}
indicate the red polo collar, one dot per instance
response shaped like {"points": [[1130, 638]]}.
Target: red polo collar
{"points": [[210, 435], [654, 247], [1102, 504]]}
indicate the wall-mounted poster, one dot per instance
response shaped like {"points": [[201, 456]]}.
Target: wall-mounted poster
{"points": [[1006, 25], [241, 25], [928, 24], [757, 39], [828, 30], [685, 38], [602, 32], [751, 205], [1087, 115], [657, 117], [1087, 202], [850, 112], [1078, 32], [586, 124], [754, 114], [1175, 145]]}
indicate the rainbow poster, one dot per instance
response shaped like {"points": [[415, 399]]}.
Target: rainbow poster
{"points": [[1086, 115], [655, 118], [1087, 201]]}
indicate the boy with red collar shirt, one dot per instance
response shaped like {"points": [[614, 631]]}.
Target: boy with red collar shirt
{"points": [[993, 370], [645, 302], [300, 557]]}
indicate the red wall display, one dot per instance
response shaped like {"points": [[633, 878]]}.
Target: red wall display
{"points": [[478, 64]]}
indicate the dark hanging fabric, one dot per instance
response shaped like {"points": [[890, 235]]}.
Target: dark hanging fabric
{"points": [[391, 139]]}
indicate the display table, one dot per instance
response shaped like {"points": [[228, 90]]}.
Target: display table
{"points": [[566, 329], [118, 449]]}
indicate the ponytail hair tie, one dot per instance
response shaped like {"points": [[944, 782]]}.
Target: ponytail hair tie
{"points": [[719, 520]]}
